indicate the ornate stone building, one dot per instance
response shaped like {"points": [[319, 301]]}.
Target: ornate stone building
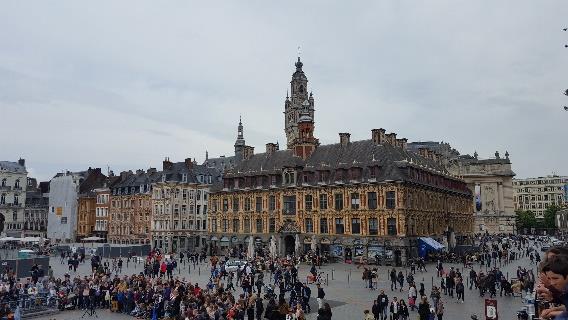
{"points": [[37, 206], [491, 181], [350, 198], [180, 205], [130, 207], [13, 182]]}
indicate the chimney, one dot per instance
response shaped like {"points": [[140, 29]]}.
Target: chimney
{"points": [[344, 138], [22, 162], [248, 152], [271, 148], [123, 175], [188, 163], [151, 170], [403, 143], [391, 138], [166, 164], [378, 135], [139, 172]]}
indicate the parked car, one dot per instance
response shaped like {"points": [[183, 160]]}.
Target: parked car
{"points": [[544, 248], [234, 265]]}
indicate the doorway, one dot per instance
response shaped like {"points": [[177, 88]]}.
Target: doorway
{"points": [[289, 245]]}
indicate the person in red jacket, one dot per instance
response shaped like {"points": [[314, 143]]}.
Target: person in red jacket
{"points": [[163, 268]]}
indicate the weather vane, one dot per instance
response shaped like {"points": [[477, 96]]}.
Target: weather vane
{"points": [[299, 51]]}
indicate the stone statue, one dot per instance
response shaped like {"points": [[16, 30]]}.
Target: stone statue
{"points": [[497, 155], [507, 155]]}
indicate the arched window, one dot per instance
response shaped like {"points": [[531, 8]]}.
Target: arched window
{"points": [[17, 183]]}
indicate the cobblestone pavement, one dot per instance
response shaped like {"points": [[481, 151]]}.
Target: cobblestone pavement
{"points": [[345, 291]]}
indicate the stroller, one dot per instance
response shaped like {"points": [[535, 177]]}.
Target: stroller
{"points": [[269, 292]]}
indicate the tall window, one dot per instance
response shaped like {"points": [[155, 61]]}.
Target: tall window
{"points": [[309, 225], [309, 202], [247, 225], [235, 204], [373, 226], [391, 226], [339, 227], [339, 201], [16, 199], [372, 200], [225, 225], [323, 201], [3, 198], [247, 204], [4, 182], [355, 226], [15, 216], [272, 225], [271, 203], [323, 225], [258, 204], [214, 225], [225, 205], [391, 197], [355, 201], [17, 183], [258, 225], [289, 204], [235, 225]]}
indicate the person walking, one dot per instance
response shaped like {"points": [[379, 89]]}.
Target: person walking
{"points": [[440, 309], [320, 297], [383, 305], [424, 309], [412, 294], [400, 279], [393, 279]]}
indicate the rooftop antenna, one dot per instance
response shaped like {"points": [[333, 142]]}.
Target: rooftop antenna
{"points": [[299, 52]]}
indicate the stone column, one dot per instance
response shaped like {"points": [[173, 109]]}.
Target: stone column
{"points": [[501, 197]]}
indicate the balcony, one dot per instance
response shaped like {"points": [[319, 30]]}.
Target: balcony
{"points": [[5, 188], [18, 188]]}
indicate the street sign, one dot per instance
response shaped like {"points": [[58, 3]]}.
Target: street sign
{"points": [[491, 309]]}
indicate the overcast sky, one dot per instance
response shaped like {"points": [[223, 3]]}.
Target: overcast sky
{"points": [[127, 83]]}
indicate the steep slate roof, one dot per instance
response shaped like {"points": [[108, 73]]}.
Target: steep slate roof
{"points": [[12, 167], [179, 168], [364, 153]]}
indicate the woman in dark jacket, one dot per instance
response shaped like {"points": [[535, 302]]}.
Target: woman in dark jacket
{"points": [[325, 312], [424, 309], [270, 308]]}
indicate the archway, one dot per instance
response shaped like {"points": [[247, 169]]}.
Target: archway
{"points": [[289, 244]]}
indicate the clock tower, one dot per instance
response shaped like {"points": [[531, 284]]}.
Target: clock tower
{"points": [[296, 103]]}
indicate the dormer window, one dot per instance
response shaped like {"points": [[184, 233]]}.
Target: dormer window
{"points": [[163, 178], [184, 177], [373, 172], [289, 177]]}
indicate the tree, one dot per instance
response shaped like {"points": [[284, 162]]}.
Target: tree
{"points": [[526, 219], [549, 221]]}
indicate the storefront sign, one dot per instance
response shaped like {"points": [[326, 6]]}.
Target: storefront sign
{"points": [[491, 309]]}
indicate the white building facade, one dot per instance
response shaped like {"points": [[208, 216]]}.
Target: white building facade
{"points": [[13, 182], [62, 215], [538, 194]]}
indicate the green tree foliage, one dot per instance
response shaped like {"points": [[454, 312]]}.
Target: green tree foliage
{"points": [[526, 219], [550, 217]]}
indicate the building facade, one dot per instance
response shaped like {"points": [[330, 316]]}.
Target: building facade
{"points": [[491, 181], [13, 182], [350, 198], [130, 207], [37, 206], [64, 191], [102, 209], [537, 194], [180, 205]]}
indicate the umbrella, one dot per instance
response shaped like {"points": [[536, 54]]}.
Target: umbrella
{"points": [[298, 245], [250, 253], [272, 247]]}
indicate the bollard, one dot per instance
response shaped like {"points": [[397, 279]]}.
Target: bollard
{"points": [[327, 279], [432, 281], [348, 278], [199, 270], [332, 270], [507, 276]]}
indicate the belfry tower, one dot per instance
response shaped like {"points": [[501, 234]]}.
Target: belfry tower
{"points": [[299, 101]]}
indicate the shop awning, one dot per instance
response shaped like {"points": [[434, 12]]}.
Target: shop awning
{"points": [[214, 238], [431, 243], [224, 239]]}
